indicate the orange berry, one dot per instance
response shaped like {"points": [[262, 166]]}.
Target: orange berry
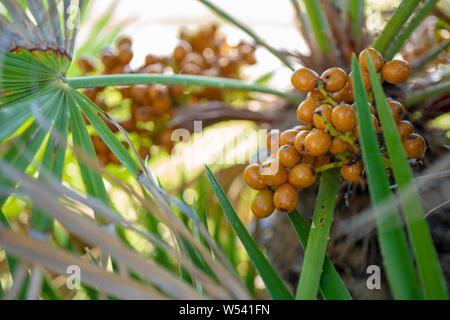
{"points": [[337, 146], [109, 59], [317, 143], [345, 94], [396, 71], [124, 42], [322, 111], [365, 78], [262, 204], [343, 118], [305, 110], [397, 109], [315, 94], [302, 175], [288, 156], [273, 173], [334, 79], [321, 160], [304, 80], [299, 141], [351, 171], [86, 65], [285, 198], [377, 58], [251, 177], [125, 55], [301, 127], [139, 93], [308, 159], [181, 50], [414, 145], [405, 128], [288, 137]]}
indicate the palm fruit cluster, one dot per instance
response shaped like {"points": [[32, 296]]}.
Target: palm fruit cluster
{"points": [[202, 52], [327, 136]]}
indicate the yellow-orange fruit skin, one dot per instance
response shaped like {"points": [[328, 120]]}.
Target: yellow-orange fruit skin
{"points": [[302, 176], [414, 146], [305, 110], [262, 204], [351, 171], [396, 71], [404, 128], [288, 137], [304, 80], [377, 58], [343, 118], [322, 111], [285, 198], [397, 109], [299, 141], [334, 79], [287, 156], [321, 161], [337, 146], [365, 78], [344, 95], [273, 173], [251, 177], [317, 143]]}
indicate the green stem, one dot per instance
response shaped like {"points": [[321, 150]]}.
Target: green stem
{"points": [[329, 166], [319, 236], [430, 56], [248, 31], [132, 79], [318, 25], [395, 24], [428, 92], [331, 285], [423, 11], [327, 99], [347, 137]]}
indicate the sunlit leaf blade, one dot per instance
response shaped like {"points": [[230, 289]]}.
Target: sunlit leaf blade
{"points": [[418, 17], [58, 261], [319, 235], [394, 248], [272, 280], [318, 25], [53, 161], [430, 272], [105, 133], [91, 179], [331, 285], [395, 24], [356, 11], [23, 150]]}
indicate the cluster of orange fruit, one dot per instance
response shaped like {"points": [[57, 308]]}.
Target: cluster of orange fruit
{"points": [[202, 52], [327, 136]]}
